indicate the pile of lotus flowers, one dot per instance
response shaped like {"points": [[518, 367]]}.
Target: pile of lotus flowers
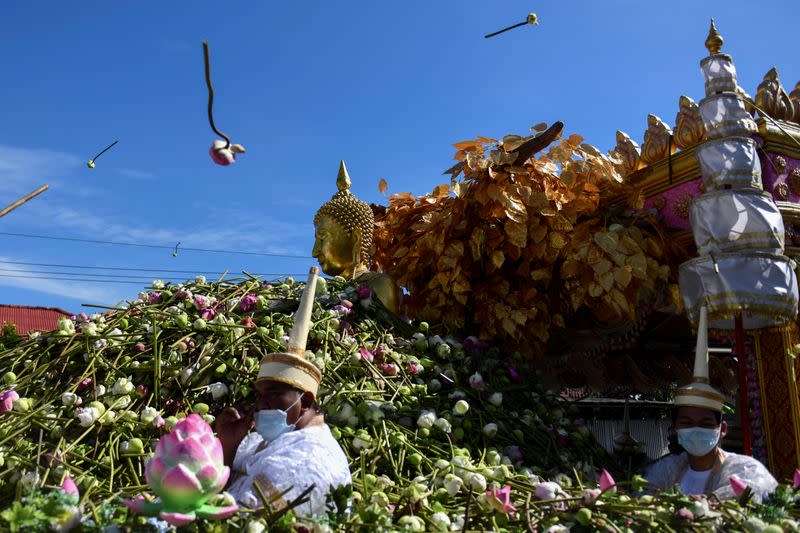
{"points": [[442, 433]]}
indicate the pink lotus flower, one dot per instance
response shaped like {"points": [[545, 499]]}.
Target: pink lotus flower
{"points": [[69, 486], [7, 399], [390, 369], [186, 470], [366, 355], [737, 484], [248, 302], [796, 479], [476, 381], [685, 513], [200, 302], [183, 294], [342, 310], [363, 292], [514, 453], [153, 297], [248, 322], [224, 156], [139, 347], [208, 313], [500, 499], [607, 482], [589, 496]]}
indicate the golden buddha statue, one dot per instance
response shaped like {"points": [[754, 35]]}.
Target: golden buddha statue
{"points": [[344, 227]]}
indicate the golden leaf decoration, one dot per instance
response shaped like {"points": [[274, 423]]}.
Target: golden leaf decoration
{"points": [[628, 153], [689, 129], [772, 97], [656, 140]]}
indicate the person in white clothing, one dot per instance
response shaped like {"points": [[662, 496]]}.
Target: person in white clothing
{"points": [[704, 468], [291, 448]]}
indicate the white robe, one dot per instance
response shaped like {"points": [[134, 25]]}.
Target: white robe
{"points": [[668, 472], [296, 459]]}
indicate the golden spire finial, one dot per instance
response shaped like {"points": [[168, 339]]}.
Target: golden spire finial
{"points": [[343, 179], [714, 40]]}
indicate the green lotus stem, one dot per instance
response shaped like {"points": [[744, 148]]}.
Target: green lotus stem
{"points": [[133, 471], [156, 364]]}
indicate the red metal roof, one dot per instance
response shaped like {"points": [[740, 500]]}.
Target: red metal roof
{"points": [[28, 318]]}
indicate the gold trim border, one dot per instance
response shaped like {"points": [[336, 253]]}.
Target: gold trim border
{"points": [[758, 356]]}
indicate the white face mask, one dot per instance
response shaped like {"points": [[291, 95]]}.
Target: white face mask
{"points": [[698, 441], [271, 423]]}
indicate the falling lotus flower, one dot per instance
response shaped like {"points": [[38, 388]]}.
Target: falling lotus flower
{"points": [[607, 482], [222, 155], [738, 485], [186, 470], [500, 499]]}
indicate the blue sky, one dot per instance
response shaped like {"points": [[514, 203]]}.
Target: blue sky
{"points": [[386, 86]]}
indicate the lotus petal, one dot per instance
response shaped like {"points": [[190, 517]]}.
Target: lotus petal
{"points": [[140, 505], [167, 443], [607, 482], [738, 485], [191, 454], [220, 484], [796, 479], [177, 519], [155, 470], [217, 513], [69, 487], [208, 476], [179, 486], [215, 452]]}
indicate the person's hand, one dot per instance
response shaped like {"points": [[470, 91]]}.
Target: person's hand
{"points": [[231, 426]]}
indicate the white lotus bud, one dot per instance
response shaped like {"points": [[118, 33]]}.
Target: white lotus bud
{"points": [[452, 484], [496, 399], [68, 399], [490, 429], [443, 425], [461, 407], [476, 482], [217, 390], [426, 419], [148, 414]]}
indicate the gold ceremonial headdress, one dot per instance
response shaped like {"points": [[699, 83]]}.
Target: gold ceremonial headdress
{"points": [[291, 367], [699, 393]]}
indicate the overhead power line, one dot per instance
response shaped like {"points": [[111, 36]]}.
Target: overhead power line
{"points": [[146, 245], [133, 269], [84, 280], [141, 283]]}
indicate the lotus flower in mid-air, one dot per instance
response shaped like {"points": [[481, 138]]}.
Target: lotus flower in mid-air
{"points": [[222, 155], [186, 471]]}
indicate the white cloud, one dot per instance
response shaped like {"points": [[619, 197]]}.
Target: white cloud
{"points": [[224, 229], [24, 169], [87, 292]]}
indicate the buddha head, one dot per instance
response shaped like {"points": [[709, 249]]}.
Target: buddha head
{"points": [[343, 227]]}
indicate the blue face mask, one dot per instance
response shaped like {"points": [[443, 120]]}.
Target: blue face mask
{"points": [[698, 441], [271, 423]]}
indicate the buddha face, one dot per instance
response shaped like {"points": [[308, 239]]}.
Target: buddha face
{"points": [[334, 248]]}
